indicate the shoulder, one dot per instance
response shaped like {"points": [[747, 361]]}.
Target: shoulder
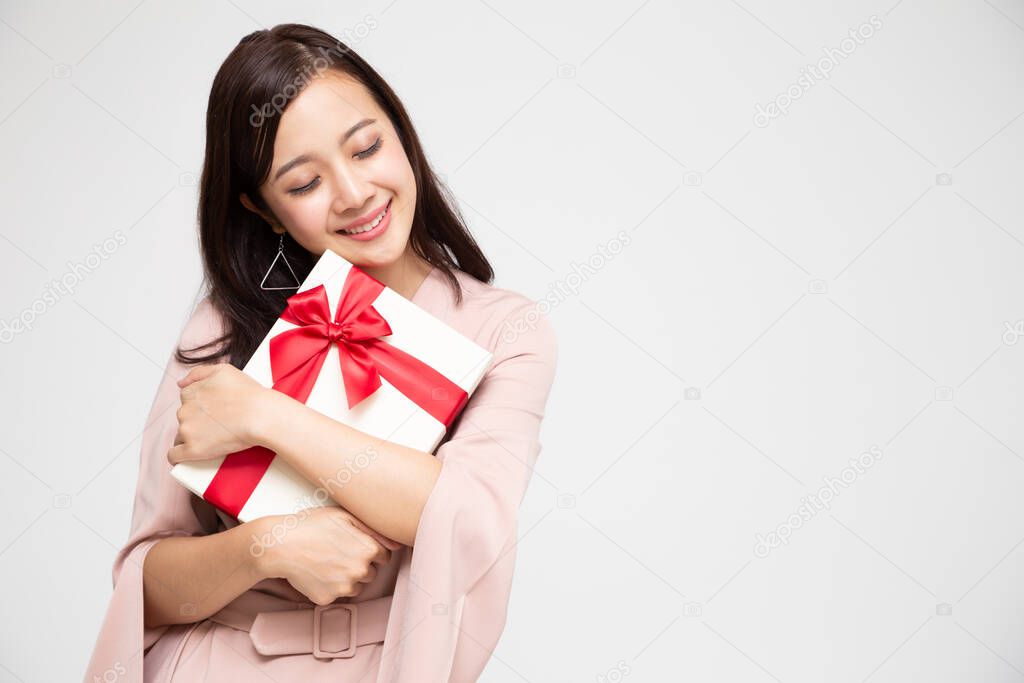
{"points": [[204, 324], [504, 321]]}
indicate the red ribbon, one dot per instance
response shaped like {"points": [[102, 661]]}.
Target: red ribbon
{"points": [[298, 354]]}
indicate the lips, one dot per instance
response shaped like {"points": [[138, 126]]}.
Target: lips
{"points": [[364, 224], [369, 229]]}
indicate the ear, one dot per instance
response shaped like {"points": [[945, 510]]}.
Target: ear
{"points": [[275, 225], [247, 203]]}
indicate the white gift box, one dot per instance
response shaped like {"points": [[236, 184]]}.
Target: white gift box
{"points": [[386, 414]]}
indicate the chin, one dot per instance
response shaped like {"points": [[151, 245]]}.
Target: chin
{"points": [[372, 258], [373, 253]]}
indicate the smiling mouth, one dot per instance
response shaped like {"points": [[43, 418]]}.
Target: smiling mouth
{"points": [[366, 227]]}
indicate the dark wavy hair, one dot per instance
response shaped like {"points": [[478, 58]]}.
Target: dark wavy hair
{"points": [[237, 245]]}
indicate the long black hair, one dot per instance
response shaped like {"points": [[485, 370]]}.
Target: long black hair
{"points": [[238, 245]]}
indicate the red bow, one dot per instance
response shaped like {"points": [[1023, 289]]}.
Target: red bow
{"points": [[298, 354]]}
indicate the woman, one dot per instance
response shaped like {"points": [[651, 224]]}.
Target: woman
{"points": [[308, 149]]}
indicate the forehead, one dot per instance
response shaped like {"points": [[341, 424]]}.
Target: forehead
{"points": [[330, 103]]}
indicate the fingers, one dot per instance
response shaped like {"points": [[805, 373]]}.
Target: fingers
{"points": [[382, 557], [371, 574], [377, 536], [357, 524], [374, 548], [340, 512], [380, 554], [176, 454], [390, 544], [197, 373]]}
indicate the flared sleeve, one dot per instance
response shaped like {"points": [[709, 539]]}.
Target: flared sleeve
{"points": [[162, 508], [453, 594]]}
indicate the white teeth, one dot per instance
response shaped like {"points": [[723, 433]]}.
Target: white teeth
{"points": [[369, 226]]}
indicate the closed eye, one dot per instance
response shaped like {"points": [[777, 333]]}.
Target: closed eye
{"points": [[368, 152], [305, 188]]}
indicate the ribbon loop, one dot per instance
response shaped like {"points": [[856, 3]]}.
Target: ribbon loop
{"points": [[357, 328]]}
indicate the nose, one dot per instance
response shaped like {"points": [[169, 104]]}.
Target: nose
{"points": [[351, 193]]}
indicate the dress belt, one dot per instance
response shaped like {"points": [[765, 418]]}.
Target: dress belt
{"points": [[325, 631]]}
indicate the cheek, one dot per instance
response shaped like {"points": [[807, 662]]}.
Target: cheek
{"points": [[395, 171], [403, 184], [306, 217]]}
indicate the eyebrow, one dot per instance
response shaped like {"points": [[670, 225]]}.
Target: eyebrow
{"points": [[303, 158]]}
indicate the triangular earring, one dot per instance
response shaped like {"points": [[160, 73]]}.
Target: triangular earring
{"points": [[280, 255]]}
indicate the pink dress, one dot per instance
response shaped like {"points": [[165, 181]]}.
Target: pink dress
{"points": [[450, 592]]}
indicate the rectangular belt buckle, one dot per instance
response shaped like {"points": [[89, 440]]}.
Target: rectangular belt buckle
{"points": [[329, 654]]}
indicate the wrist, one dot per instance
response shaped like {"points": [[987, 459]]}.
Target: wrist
{"points": [[269, 407], [258, 546]]}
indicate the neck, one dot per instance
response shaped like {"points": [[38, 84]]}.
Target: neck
{"points": [[404, 276]]}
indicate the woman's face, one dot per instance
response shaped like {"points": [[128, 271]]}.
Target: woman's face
{"points": [[338, 162]]}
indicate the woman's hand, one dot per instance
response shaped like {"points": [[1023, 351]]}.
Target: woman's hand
{"points": [[221, 408], [325, 556]]}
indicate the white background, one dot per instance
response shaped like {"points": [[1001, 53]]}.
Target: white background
{"points": [[792, 295]]}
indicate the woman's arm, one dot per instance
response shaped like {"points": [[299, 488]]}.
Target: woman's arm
{"points": [[384, 484], [188, 578]]}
